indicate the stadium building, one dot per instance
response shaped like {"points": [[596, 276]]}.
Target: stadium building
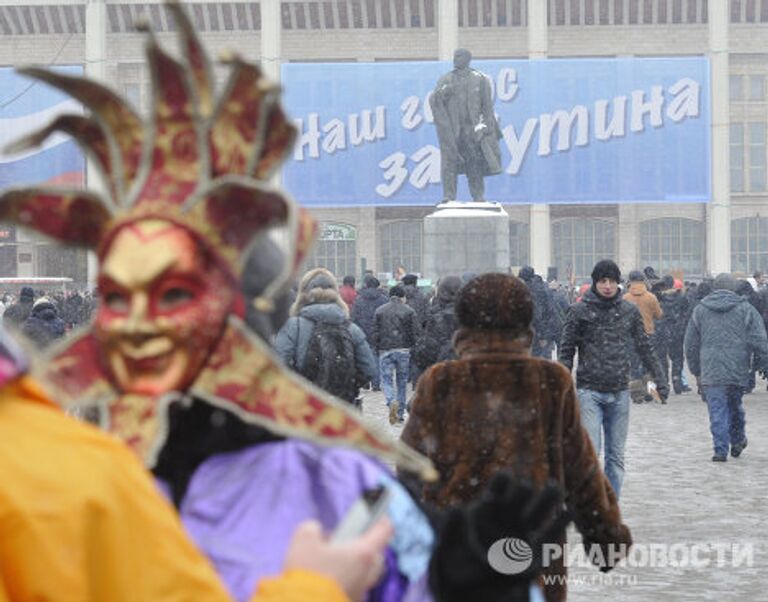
{"points": [[730, 232]]}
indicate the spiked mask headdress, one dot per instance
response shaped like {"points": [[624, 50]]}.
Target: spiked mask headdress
{"points": [[200, 165]]}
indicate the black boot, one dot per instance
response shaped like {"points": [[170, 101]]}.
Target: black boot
{"points": [[677, 386]]}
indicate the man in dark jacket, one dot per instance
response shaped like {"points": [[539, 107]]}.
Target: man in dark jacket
{"points": [[15, 316], [368, 300], [604, 328], [545, 326], [724, 335], [43, 325], [395, 330]]}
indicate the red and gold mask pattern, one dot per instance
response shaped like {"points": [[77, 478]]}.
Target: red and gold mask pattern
{"points": [[185, 197]]}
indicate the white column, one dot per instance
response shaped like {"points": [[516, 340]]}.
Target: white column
{"points": [[271, 38], [719, 210], [541, 228], [447, 28], [271, 52], [95, 68]]}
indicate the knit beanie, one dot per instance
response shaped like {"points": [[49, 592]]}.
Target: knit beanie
{"points": [[605, 268]]}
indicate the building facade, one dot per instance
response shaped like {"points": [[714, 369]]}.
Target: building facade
{"points": [[729, 233]]}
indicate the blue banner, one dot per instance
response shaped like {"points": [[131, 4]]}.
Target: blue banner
{"points": [[574, 131]]}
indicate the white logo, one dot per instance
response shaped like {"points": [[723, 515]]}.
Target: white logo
{"points": [[510, 556]]}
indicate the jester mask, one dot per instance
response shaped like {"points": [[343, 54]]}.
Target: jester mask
{"points": [[184, 197]]}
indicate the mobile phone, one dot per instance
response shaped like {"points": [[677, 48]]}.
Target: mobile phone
{"points": [[363, 514]]}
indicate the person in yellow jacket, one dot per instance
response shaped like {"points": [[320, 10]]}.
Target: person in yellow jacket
{"points": [[81, 520]]}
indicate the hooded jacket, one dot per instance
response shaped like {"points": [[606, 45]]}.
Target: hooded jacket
{"points": [[647, 303], [604, 332], [724, 333], [43, 326]]}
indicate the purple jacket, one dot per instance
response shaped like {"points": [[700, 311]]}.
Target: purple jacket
{"points": [[241, 509]]}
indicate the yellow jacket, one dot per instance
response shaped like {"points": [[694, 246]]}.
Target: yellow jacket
{"points": [[81, 520]]}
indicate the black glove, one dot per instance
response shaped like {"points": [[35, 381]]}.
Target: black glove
{"points": [[460, 568]]}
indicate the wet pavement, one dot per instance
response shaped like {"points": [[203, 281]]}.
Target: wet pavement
{"points": [[709, 519]]}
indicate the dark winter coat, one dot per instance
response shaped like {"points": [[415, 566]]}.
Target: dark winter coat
{"points": [[43, 326], [674, 309], [367, 302], [604, 332], [436, 341], [417, 301], [292, 341], [395, 326], [545, 323], [15, 316], [497, 408], [724, 333]]}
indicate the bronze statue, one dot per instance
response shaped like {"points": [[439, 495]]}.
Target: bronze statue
{"points": [[469, 135]]}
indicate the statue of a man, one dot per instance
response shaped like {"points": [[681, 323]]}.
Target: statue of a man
{"points": [[469, 135]]}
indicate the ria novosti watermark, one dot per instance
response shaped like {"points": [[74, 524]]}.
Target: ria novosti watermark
{"points": [[512, 556]]}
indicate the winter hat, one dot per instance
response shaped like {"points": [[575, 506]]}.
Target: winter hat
{"points": [[324, 280], [495, 302], [605, 268], [725, 282], [397, 291], [27, 295], [678, 284], [669, 281], [42, 301], [636, 276], [526, 273], [447, 289], [410, 279]]}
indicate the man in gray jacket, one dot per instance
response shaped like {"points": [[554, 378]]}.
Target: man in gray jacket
{"points": [[723, 336]]}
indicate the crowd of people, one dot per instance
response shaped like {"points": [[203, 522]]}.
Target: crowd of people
{"points": [[43, 318]]}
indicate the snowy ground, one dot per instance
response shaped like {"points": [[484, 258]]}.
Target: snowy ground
{"points": [[674, 494]]}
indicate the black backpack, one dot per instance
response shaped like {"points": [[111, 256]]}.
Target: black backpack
{"points": [[330, 360]]}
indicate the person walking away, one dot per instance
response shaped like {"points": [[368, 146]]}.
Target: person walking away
{"points": [[670, 330], [348, 292], [604, 328], [545, 325], [15, 316], [436, 342], [650, 310], [319, 341], [724, 336], [43, 326], [368, 300], [396, 329], [498, 408], [414, 298]]}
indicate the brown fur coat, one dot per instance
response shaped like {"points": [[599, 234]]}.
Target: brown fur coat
{"points": [[497, 408]]}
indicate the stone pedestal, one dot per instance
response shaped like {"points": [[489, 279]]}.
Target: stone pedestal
{"points": [[464, 237]]}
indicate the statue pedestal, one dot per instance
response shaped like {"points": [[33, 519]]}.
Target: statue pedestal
{"points": [[462, 237]]}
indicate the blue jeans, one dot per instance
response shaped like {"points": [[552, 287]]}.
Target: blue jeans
{"points": [[376, 382], [607, 413], [726, 416], [395, 363]]}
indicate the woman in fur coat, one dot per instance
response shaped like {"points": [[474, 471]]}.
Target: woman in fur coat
{"points": [[497, 408]]}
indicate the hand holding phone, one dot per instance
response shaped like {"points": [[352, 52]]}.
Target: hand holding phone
{"points": [[364, 513]]}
